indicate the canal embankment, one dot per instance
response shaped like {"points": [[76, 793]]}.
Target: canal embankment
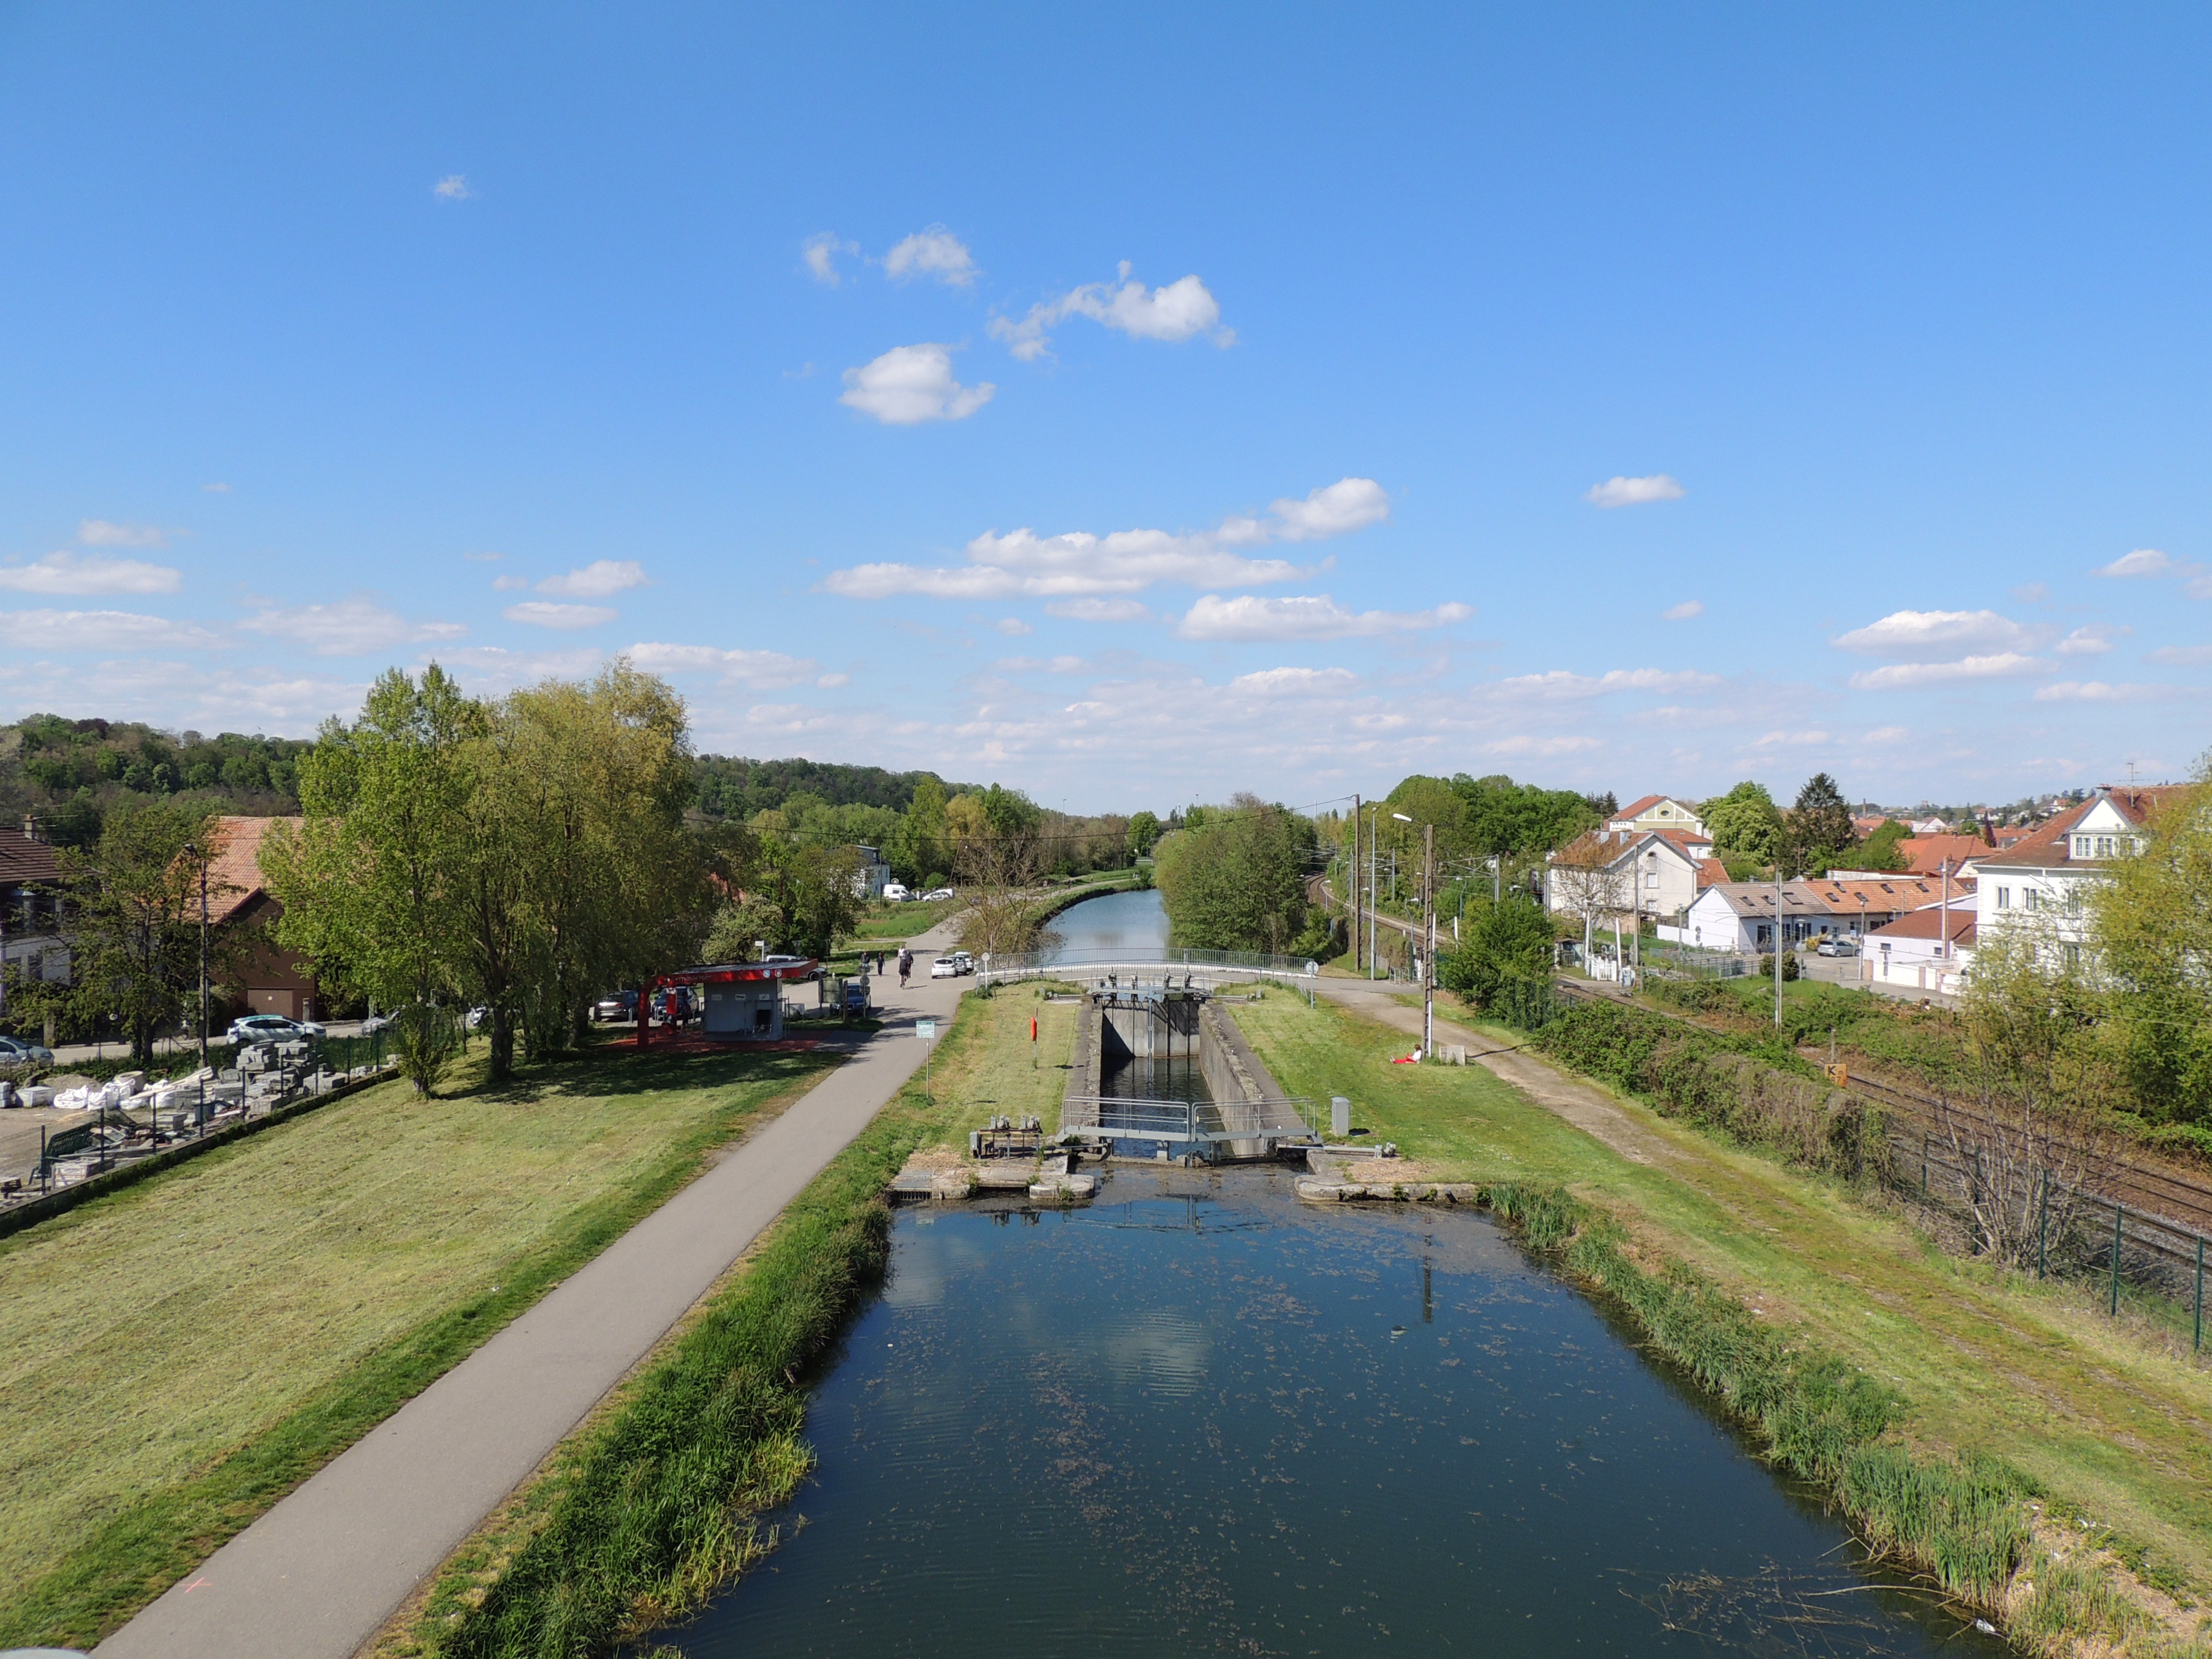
{"points": [[2097, 1433]]}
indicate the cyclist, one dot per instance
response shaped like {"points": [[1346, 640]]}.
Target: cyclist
{"points": [[906, 965]]}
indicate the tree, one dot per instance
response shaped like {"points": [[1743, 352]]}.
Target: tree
{"points": [[1589, 884], [1144, 832], [133, 927], [1509, 940], [1820, 826], [1745, 823], [2151, 927], [1881, 850], [1519, 819], [1236, 880]]}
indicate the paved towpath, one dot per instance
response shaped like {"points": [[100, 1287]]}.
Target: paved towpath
{"points": [[318, 1574]]}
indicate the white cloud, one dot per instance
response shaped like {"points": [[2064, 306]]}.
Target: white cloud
{"points": [[2189, 656], [2143, 562], [1906, 676], [1304, 616], [1174, 311], [2032, 593], [1541, 748], [1294, 682], [1098, 611], [101, 630], [831, 682], [821, 254], [1560, 684], [1059, 665], [454, 187], [2097, 691], [509, 584], [1012, 626], [73, 573], [2091, 639], [936, 252], [597, 579], [1923, 633], [908, 384], [215, 489], [99, 532], [1889, 734], [1336, 509], [1634, 492], [537, 613], [1788, 739], [761, 670], [1023, 563], [1684, 611], [356, 626]]}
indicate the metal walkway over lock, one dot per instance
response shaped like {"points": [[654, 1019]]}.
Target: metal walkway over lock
{"points": [[1182, 969], [1229, 1127]]}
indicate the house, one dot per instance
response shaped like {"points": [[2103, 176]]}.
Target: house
{"points": [[1657, 812], [1927, 951], [267, 980], [1742, 916], [1625, 871], [2044, 879], [30, 908], [1864, 903], [874, 875]]}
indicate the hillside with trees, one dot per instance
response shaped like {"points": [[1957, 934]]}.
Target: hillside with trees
{"points": [[68, 775]]}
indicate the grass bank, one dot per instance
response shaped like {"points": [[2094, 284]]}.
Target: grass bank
{"points": [[649, 1508], [2021, 1394], [178, 1356]]}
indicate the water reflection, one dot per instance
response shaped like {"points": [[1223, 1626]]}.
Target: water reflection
{"points": [[1133, 926], [1200, 1419]]}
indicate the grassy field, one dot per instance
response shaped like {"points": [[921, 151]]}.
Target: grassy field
{"points": [[2110, 1419], [648, 1508], [176, 1357]]}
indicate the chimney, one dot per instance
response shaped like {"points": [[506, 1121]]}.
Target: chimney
{"points": [[30, 828]]}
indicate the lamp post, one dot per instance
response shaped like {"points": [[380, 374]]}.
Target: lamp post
{"points": [[1374, 820], [196, 853]]}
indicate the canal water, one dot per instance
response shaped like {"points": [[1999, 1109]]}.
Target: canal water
{"points": [[1199, 1418], [1118, 927]]}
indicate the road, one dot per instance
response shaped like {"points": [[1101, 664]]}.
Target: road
{"points": [[318, 1574]]}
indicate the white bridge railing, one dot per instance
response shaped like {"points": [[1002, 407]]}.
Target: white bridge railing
{"points": [[1140, 966]]}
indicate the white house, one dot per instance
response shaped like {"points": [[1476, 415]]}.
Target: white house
{"points": [[874, 875], [1658, 812], [1740, 916], [1927, 951], [2044, 878], [1619, 872]]}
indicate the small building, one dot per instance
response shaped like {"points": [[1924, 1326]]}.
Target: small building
{"points": [[740, 1001], [1641, 873], [1927, 951], [265, 978], [1745, 917], [874, 875], [30, 908]]}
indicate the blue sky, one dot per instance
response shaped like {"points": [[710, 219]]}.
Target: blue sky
{"points": [[1624, 399]]}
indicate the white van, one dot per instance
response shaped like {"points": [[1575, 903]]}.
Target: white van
{"points": [[895, 892]]}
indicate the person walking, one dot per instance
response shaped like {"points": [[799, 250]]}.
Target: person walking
{"points": [[906, 965]]}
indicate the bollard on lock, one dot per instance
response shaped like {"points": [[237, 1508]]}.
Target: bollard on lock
{"points": [[1339, 1115]]}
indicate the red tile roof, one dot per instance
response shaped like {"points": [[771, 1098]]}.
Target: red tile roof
{"points": [[1924, 924], [2045, 845], [234, 871], [22, 859], [1927, 853], [1710, 872]]}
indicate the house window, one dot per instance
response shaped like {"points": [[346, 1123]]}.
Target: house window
{"points": [[1651, 880], [2104, 846], [2027, 899], [2073, 955], [2004, 898], [2081, 847]]}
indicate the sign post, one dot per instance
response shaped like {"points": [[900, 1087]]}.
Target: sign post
{"points": [[926, 1031]]}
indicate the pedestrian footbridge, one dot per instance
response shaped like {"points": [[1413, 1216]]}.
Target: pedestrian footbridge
{"points": [[1138, 972]]}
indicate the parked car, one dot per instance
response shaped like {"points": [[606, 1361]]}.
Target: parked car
{"points": [[944, 968], [936, 893], [477, 1017], [374, 1024], [13, 1052], [1837, 945], [856, 995], [617, 1004], [963, 961], [273, 1028]]}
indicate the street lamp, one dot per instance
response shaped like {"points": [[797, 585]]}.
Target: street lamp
{"points": [[1428, 935], [195, 851]]}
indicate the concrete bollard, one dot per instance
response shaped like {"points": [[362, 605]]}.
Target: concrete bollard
{"points": [[1339, 1115]]}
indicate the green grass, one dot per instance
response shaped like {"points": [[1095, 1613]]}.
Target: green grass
{"points": [[178, 1356], [651, 1507], [1991, 1369]]}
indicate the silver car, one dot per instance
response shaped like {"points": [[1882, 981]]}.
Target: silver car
{"points": [[15, 1052]]}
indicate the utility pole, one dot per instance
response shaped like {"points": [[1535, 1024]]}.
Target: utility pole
{"points": [[1778, 945], [1429, 961], [1371, 828], [1351, 887]]}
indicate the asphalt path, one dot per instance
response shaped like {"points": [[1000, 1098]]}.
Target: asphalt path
{"points": [[318, 1574]]}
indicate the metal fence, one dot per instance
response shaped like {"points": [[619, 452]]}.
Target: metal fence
{"points": [[1212, 966], [124, 1125]]}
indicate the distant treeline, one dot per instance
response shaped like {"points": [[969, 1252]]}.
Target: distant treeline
{"points": [[731, 786], [67, 774]]}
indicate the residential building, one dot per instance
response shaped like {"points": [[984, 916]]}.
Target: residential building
{"points": [[30, 908], [263, 977], [1658, 812], [1927, 951], [874, 875], [1623, 871], [2044, 879], [1740, 916]]}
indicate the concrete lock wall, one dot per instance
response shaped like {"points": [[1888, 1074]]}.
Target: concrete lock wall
{"points": [[1149, 1030]]}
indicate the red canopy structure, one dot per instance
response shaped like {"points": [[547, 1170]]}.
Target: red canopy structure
{"points": [[742, 999]]}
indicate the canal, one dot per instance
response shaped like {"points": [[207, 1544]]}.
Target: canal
{"points": [[1200, 1418], [1118, 927]]}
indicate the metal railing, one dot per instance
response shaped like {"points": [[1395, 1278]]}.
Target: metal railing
{"points": [[1122, 1117], [1210, 967]]}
